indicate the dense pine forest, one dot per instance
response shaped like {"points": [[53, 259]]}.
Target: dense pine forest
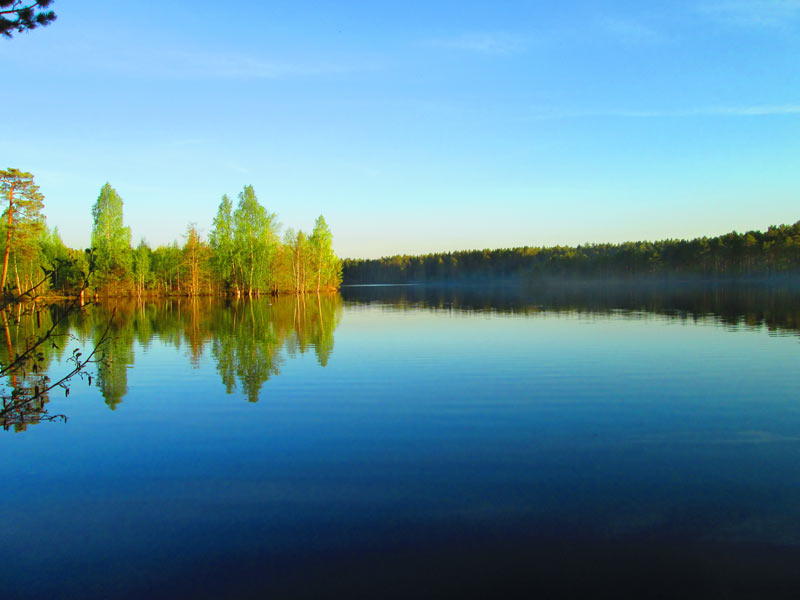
{"points": [[243, 255], [733, 255]]}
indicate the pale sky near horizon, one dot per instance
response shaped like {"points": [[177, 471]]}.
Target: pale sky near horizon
{"points": [[415, 127]]}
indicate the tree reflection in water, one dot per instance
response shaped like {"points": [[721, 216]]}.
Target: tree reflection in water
{"points": [[775, 307], [248, 340], [19, 328], [35, 335]]}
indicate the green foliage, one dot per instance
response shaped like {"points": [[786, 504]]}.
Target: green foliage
{"points": [[733, 255], [296, 257], [166, 263], [195, 263], [254, 241], [111, 241], [23, 226], [17, 16], [142, 274], [221, 242], [243, 254], [73, 265], [325, 264]]}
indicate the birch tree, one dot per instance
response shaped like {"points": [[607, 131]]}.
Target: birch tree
{"points": [[111, 240], [323, 258], [221, 241], [254, 241]]}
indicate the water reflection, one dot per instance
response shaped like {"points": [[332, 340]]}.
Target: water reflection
{"points": [[248, 340], [777, 308], [23, 402], [516, 448]]}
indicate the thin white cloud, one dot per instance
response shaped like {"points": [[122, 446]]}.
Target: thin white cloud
{"points": [[782, 109], [758, 110], [198, 64], [501, 43], [496, 43], [178, 143], [719, 111], [168, 60], [753, 13], [629, 31]]}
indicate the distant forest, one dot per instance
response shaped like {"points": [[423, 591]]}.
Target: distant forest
{"points": [[243, 255], [774, 252]]}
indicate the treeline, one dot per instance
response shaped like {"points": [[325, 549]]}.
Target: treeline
{"points": [[243, 255], [733, 255]]}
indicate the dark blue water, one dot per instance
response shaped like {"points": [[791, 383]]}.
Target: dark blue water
{"points": [[456, 442]]}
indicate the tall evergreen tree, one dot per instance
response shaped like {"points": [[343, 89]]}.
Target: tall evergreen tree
{"points": [[111, 240], [24, 222]]}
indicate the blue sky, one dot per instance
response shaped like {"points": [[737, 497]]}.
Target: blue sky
{"points": [[415, 127]]}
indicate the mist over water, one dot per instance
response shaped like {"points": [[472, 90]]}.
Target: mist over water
{"points": [[426, 441]]}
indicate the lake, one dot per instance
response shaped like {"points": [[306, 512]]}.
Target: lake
{"points": [[410, 441]]}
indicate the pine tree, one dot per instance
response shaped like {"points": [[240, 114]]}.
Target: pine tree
{"points": [[25, 15], [24, 222]]}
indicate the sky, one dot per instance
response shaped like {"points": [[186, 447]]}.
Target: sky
{"points": [[414, 127]]}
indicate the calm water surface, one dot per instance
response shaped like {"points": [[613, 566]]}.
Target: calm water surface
{"points": [[418, 442]]}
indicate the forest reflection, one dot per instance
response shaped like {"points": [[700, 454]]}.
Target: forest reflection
{"points": [[248, 340], [775, 307]]}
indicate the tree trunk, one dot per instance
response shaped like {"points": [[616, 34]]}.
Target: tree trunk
{"points": [[250, 284], [8, 238], [16, 273], [297, 270]]}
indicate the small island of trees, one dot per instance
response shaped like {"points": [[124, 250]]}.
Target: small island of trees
{"points": [[244, 254]]}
